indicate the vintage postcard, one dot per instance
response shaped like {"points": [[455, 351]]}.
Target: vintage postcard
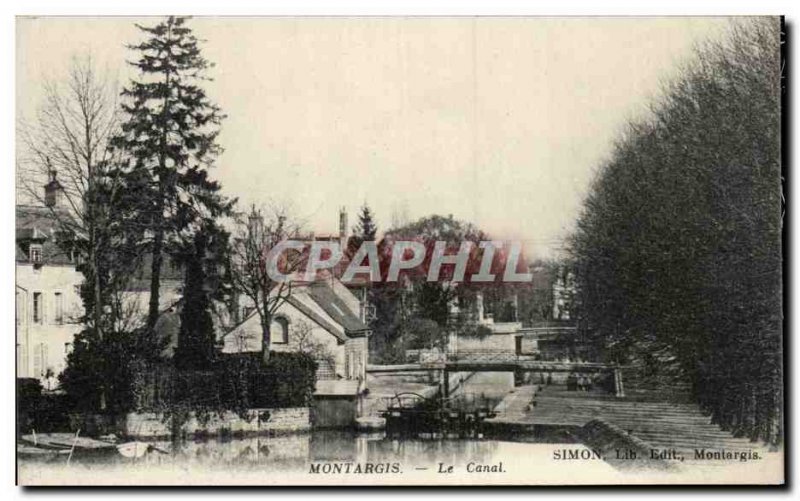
{"points": [[361, 251]]}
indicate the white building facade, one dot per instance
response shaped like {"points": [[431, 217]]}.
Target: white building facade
{"points": [[47, 293]]}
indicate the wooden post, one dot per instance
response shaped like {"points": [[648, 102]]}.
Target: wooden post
{"points": [[619, 389]]}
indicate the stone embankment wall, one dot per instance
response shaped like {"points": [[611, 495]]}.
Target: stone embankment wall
{"points": [[256, 421]]}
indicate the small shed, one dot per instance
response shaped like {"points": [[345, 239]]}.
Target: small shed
{"points": [[336, 403]]}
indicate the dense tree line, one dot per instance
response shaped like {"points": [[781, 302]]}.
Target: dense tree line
{"points": [[677, 252]]}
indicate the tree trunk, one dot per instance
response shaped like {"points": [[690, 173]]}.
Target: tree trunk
{"points": [[265, 341], [97, 309], [158, 239], [155, 278], [94, 262]]}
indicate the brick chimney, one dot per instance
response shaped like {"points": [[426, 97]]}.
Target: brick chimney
{"points": [[254, 221], [53, 191], [343, 233]]}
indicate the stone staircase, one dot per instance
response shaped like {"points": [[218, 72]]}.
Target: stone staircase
{"points": [[662, 424]]}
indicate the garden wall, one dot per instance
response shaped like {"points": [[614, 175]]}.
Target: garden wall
{"points": [[257, 422]]}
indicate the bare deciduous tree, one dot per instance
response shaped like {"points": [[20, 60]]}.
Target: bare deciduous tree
{"points": [[255, 237], [303, 341], [68, 142]]}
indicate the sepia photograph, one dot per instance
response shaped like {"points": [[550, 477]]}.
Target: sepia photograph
{"points": [[399, 250]]}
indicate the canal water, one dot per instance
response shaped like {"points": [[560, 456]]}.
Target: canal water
{"points": [[316, 457], [295, 452], [328, 457]]}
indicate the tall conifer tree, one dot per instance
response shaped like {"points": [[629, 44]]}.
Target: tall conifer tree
{"points": [[170, 134], [364, 231], [205, 280], [366, 228]]}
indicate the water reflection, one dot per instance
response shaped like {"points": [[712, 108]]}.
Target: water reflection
{"points": [[296, 452]]}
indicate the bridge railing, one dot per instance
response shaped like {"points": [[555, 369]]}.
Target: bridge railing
{"points": [[434, 356], [482, 355]]}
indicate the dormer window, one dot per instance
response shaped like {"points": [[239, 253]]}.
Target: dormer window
{"points": [[36, 254]]}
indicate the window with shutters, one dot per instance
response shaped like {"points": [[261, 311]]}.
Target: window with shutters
{"points": [[37, 307], [59, 307]]}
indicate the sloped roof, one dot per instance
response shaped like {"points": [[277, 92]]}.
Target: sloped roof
{"points": [[333, 304], [310, 299], [37, 224], [295, 301]]}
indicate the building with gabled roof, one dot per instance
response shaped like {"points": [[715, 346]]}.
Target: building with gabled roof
{"points": [[322, 317]]}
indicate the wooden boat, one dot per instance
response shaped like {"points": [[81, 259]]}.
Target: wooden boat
{"points": [[133, 450], [29, 451], [66, 441], [138, 449]]}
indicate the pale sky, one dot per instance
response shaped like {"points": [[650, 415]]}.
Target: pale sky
{"points": [[499, 121]]}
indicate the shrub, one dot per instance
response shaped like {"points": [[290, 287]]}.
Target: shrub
{"points": [[234, 383], [43, 412]]}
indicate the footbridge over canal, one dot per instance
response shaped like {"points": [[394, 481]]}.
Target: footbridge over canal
{"points": [[499, 361]]}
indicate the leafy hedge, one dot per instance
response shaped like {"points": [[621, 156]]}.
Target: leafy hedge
{"points": [[235, 382], [36, 410]]}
